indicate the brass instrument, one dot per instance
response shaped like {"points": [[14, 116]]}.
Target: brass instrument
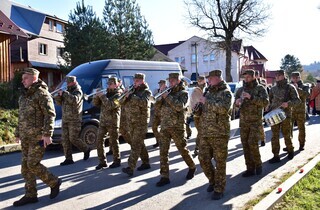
{"points": [[86, 97], [157, 97], [53, 93], [125, 93]]}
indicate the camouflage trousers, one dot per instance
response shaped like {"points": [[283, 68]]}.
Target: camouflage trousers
{"points": [[31, 168], [285, 128], [113, 143], [138, 148], [249, 139], [217, 148], [124, 129], [71, 136], [155, 124], [181, 143], [197, 125], [262, 136], [188, 129], [300, 118]]}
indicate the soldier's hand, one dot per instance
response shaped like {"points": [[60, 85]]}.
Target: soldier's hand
{"points": [[46, 141], [18, 140], [284, 104], [246, 95], [165, 95], [99, 94], [238, 102], [202, 100], [60, 92]]}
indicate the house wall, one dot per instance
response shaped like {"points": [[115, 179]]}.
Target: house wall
{"points": [[204, 48], [5, 71]]}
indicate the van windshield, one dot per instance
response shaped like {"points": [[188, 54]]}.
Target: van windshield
{"points": [[84, 82]]}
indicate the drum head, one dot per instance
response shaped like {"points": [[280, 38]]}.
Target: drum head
{"points": [[195, 96]]}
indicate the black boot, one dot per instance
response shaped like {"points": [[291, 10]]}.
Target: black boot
{"points": [[210, 188], [55, 190], [25, 200], [290, 155], [163, 181], [86, 154], [248, 173], [275, 159], [115, 164], [263, 143], [191, 173], [217, 195], [128, 171], [301, 148], [101, 165], [144, 166], [66, 162]]}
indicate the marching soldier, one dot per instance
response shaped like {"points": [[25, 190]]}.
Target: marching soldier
{"points": [[157, 112], [109, 123], [282, 95], [299, 110], [173, 127], [138, 111], [251, 98], [34, 131], [71, 102], [215, 117]]}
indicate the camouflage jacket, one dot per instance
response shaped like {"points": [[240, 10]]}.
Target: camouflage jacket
{"points": [[110, 110], [216, 111], [283, 92], [173, 109], [137, 106], [304, 93], [251, 110], [157, 105], [36, 112], [71, 102]]}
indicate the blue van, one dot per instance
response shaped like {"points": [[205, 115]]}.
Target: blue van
{"points": [[95, 74]]}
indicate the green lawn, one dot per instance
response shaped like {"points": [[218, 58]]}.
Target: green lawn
{"points": [[305, 194]]}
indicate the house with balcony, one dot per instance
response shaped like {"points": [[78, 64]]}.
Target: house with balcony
{"points": [[199, 56], [253, 59], [44, 46]]}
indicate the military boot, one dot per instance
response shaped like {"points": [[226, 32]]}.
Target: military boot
{"points": [[86, 154], [248, 173], [66, 162], [191, 173], [115, 164], [25, 200], [210, 188], [163, 181], [217, 195], [55, 190], [144, 166], [290, 155], [101, 165], [275, 159], [128, 171], [263, 143], [301, 148]]}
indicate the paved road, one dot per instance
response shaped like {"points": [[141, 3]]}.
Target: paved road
{"points": [[85, 188]]}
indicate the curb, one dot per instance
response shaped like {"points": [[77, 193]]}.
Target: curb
{"points": [[9, 148], [277, 194]]}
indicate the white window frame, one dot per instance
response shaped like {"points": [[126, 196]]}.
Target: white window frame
{"points": [[57, 30], [43, 49], [51, 25]]}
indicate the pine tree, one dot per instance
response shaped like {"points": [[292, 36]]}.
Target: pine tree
{"points": [[124, 21], [290, 64]]}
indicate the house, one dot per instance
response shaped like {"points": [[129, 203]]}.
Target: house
{"points": [[198, 55], [44, 46], [9, 32], [253, 59]]}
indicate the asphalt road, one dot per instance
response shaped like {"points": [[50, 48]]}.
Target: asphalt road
{"points": [[85, 188]]}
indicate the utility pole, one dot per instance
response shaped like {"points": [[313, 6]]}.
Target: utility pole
{"points": [[195, 45]]}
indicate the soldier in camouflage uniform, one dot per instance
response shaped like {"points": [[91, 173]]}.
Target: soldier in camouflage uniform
{"points": [[157, 113], [215, 117], [138, 111], [251, 98], [71, 102], [299, 110], [34, 131], [172, 127], [282, 95], [109, 122]]}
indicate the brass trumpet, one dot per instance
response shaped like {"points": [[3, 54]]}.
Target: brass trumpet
{"points": [[86, 97], [155, 98], [125, 93], [53, 93]]}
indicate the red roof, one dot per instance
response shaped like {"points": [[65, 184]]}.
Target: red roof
{"points": [[253, 53], [9, 27]]}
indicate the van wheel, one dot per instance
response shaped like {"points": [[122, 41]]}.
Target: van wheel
{"points": [[89, 135]]}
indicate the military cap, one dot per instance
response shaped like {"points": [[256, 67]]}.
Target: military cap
{"points": [[31, 71], [174, 75], [215, 73], [249, 72], [295, 74], [161, 81], [280, 72], [70, 79], [113, 80], [201, 78], [139, 76]]}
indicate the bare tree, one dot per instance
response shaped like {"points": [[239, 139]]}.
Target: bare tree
{"points": [[223, 20]]}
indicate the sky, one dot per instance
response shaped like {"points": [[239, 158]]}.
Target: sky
{"points": [[292, 29]]}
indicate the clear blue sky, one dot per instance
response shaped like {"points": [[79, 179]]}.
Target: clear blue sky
{"points": [[294, 28]]}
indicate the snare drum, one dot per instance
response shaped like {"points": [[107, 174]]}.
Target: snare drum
{"points": [[275, 117]]}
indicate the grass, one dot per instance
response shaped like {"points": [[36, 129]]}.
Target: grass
{"points": [[8, 123], [305, 194]]}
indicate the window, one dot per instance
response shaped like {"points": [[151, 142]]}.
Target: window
{"points": [[211, 57], [182, 60], [59, 28], [205, 58], [177, 59], [60, 51], [193, 58], [50, 25], [42, 49]]}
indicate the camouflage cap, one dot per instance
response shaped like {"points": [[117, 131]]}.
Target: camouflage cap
{"points": [[31, 71], [215, 73], [113, 80], [280, 72], [200, 78], [70, 79], [249, 72], [174, 75], [139, 76], [161, 81], [295, 74]]}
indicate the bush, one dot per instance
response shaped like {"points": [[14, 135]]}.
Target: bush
{"points": [[10, 92], [8, 123]]}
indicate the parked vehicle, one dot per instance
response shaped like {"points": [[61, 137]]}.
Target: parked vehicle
{"points": [[95, 74], [234, 86]]}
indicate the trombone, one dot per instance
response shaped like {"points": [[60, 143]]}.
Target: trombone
{"points": [[86, 97], [57, 90]]}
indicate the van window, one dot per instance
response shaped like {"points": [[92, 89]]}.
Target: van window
{"points": [[127, 81]]}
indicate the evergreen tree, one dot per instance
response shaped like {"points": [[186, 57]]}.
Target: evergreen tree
{"points": [[124, 21], [290, 64], [86, 38]]}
